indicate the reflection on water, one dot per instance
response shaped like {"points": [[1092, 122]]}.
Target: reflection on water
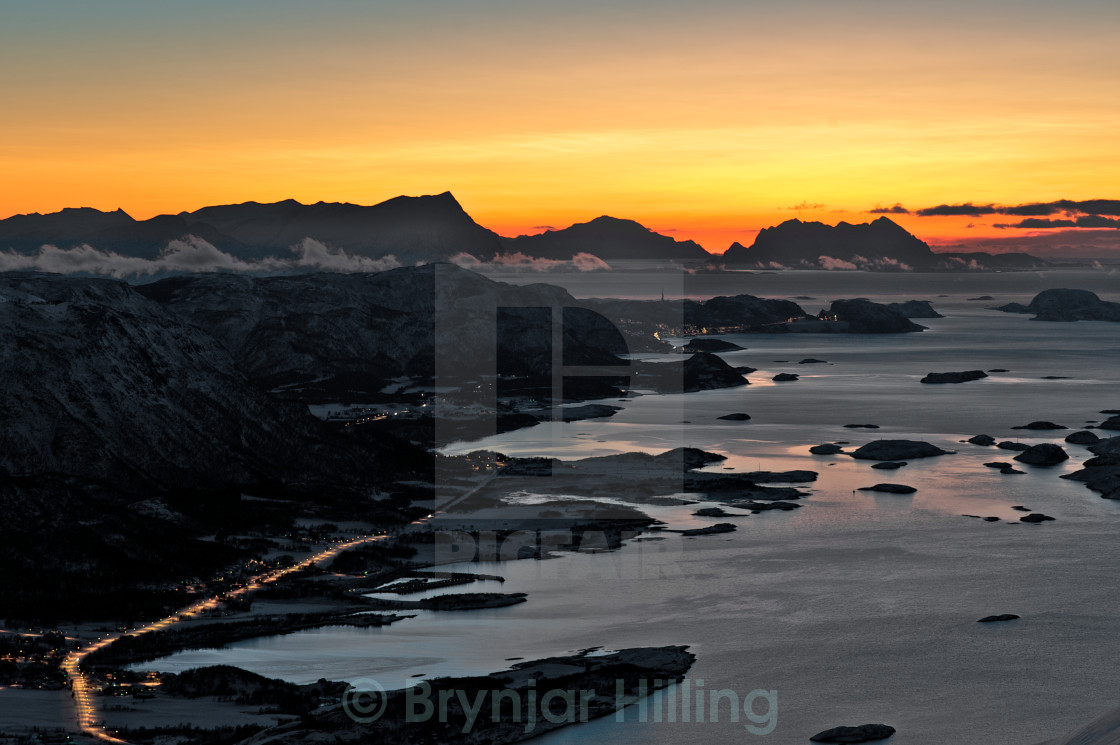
{"points": [[859, 606]]}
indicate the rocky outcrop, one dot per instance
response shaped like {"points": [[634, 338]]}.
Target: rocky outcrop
{"points": [[897, 450], [1009, 445], [757, 507], [596, 684], [866, 317], [709, 530], [709, 345], [915, 309], [1067, 305], [453, 601], [826, 449], [889, 465], [861, 733], [1045, 454], [1035, 517], [1041, 425], [998, 618], [712, 512], [738, 311], [588, 411], [781, 477], [954, 377], [890, 488], [736, 417], [750, 314], [785, 377], [700, 372], [1101, 473], [1082, 437], [984, 440]]}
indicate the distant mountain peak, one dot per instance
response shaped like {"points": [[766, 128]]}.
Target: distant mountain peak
{"points": [[881, 244], [608, 220], [797, 243], [610, 239]]}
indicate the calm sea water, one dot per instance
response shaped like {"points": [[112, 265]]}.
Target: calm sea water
{"points": [[858, 607]]}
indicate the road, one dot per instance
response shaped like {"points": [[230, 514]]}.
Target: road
{"points": [[84, 699]]}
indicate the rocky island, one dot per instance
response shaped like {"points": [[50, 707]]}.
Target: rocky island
{"points": [[1067, 305]]}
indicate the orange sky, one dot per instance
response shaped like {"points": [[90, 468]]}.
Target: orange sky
{"points": [[709, 121]]}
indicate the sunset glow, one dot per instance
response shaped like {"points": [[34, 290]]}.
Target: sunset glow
{"points": [[705, 121]]}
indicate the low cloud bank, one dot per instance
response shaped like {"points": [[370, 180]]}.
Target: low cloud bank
{"points": [[858, 262], [581, 262], [190, 254]]}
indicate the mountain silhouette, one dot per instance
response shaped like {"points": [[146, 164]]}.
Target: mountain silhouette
{"points": [[425, 227], [25, 233], [795, 241], [147, 238], [880, 244], [609, 238], [411, 228], [436, 228]]}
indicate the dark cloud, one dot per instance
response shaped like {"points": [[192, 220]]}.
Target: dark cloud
{"points": [[1082, 207], [806, 206], [1085, 221], [544, 227], [1066, 243], [1091, 206], [895, 209], [1071, 207], [1096, 221], [968, 208], [1037, 222], [1035, 209]]}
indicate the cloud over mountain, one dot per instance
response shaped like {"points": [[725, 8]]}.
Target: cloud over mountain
{"points": [[190, 254]]}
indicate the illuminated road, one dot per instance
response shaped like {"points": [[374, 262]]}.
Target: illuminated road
{"points": [[88, 721]]}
